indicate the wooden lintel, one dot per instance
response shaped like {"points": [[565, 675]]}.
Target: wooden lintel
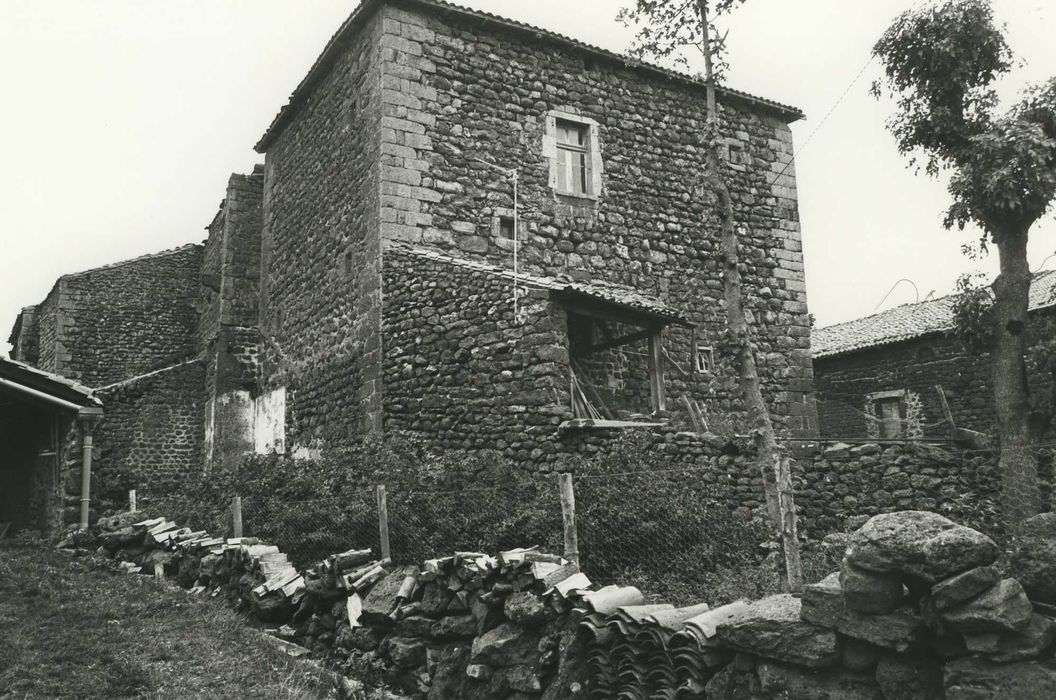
{"points": [[622, 340]]}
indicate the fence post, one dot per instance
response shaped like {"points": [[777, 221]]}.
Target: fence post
{"points": [[131, 500], [568, 517], [236, 516], [789, 537], [383, 522]]}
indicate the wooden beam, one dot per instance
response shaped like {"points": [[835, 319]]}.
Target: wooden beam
{"points": [[610, 312], [946, 412], [656, 372], [622, 340]]}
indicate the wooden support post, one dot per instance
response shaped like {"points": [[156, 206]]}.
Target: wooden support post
{"points": [[236, 516], [946, 412], [131, 500], [656, 372], [383, 522], [568, 517], [789, 537]]}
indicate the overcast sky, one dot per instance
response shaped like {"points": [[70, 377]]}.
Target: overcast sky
{"points": [[122, 120]]}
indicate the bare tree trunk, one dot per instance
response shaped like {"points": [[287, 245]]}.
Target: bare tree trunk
{"points": [[1020, 492], [767, 451]]}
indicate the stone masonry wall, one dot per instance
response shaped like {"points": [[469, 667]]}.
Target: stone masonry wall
{"points": [[457, 91], [845, 481], [129, 318], [917, 365], [151, 434], [320, 296], [459, 371]]}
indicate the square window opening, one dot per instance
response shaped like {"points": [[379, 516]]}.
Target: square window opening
{"points": [[506, 227]]}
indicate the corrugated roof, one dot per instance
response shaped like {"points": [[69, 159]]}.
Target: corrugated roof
{"points": [[909, 321], [334, 46], [619, 295]]}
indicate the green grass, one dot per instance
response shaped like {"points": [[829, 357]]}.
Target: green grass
{"points": [[71, 627]]}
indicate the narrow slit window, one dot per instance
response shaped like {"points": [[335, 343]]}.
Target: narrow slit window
{"points": [[572, 157]]}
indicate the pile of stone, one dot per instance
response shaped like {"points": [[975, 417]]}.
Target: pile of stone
{"points": [[917, 610]]}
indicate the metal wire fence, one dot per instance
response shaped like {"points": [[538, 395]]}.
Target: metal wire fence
{"points": [[308, 531]]}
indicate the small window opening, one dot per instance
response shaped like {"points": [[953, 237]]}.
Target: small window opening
{"points": [[889, 414], [346, 264], [506, 227], [572, 154], [925, 354], [705, 359]]}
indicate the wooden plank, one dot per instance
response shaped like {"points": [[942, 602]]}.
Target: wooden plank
{"points": [[383, 522], [622, 340], [698, 426], [568, 517], [789, 537], [946, 412], [656, 372]]}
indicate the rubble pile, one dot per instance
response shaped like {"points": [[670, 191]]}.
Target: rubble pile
{"points": [[919, 609]]}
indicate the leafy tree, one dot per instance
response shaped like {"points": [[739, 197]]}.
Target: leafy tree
{"points": [[665, 28], [940, 63]]}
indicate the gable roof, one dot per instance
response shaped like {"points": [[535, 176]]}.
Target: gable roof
{"points": [[336, 44], [607, 292], [910, 321]]}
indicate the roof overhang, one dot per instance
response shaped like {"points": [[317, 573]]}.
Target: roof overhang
{"points": [[588, 304], [46, 387], [337, 44]]}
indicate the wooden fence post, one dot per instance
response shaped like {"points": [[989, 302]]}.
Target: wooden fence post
{"points": [[383, 522], [236, 517], [789, 537], [568, 517], [131, 500]]}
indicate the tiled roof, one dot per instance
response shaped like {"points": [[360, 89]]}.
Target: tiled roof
{"points": [[47, 382], [336, 44], [617, 294], [909, 321]]}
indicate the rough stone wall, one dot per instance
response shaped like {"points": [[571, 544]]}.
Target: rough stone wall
{"points": [[456, 91], [47, 329], [26, 342], [129, 318], [229, 328], [320, 297], [845, 481], [151, 434], [460, 372], [918, 365]]}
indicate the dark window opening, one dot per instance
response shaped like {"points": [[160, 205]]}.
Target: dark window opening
{"points": [[506, 227], [346, 264], [889, 416], [925, 354]]}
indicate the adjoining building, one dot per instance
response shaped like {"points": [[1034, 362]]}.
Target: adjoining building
{"points": [[467, 228], [902, 373]]}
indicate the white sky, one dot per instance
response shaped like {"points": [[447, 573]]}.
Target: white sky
{"points": [[122, 120]]}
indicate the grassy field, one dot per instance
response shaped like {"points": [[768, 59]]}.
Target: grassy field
{"points": [[69, 628]]}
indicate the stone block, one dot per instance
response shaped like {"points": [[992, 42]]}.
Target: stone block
{"points": [[773, 628]]}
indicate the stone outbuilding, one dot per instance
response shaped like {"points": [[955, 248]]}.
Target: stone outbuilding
{"points": [[46, 426], [902, 373]]}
